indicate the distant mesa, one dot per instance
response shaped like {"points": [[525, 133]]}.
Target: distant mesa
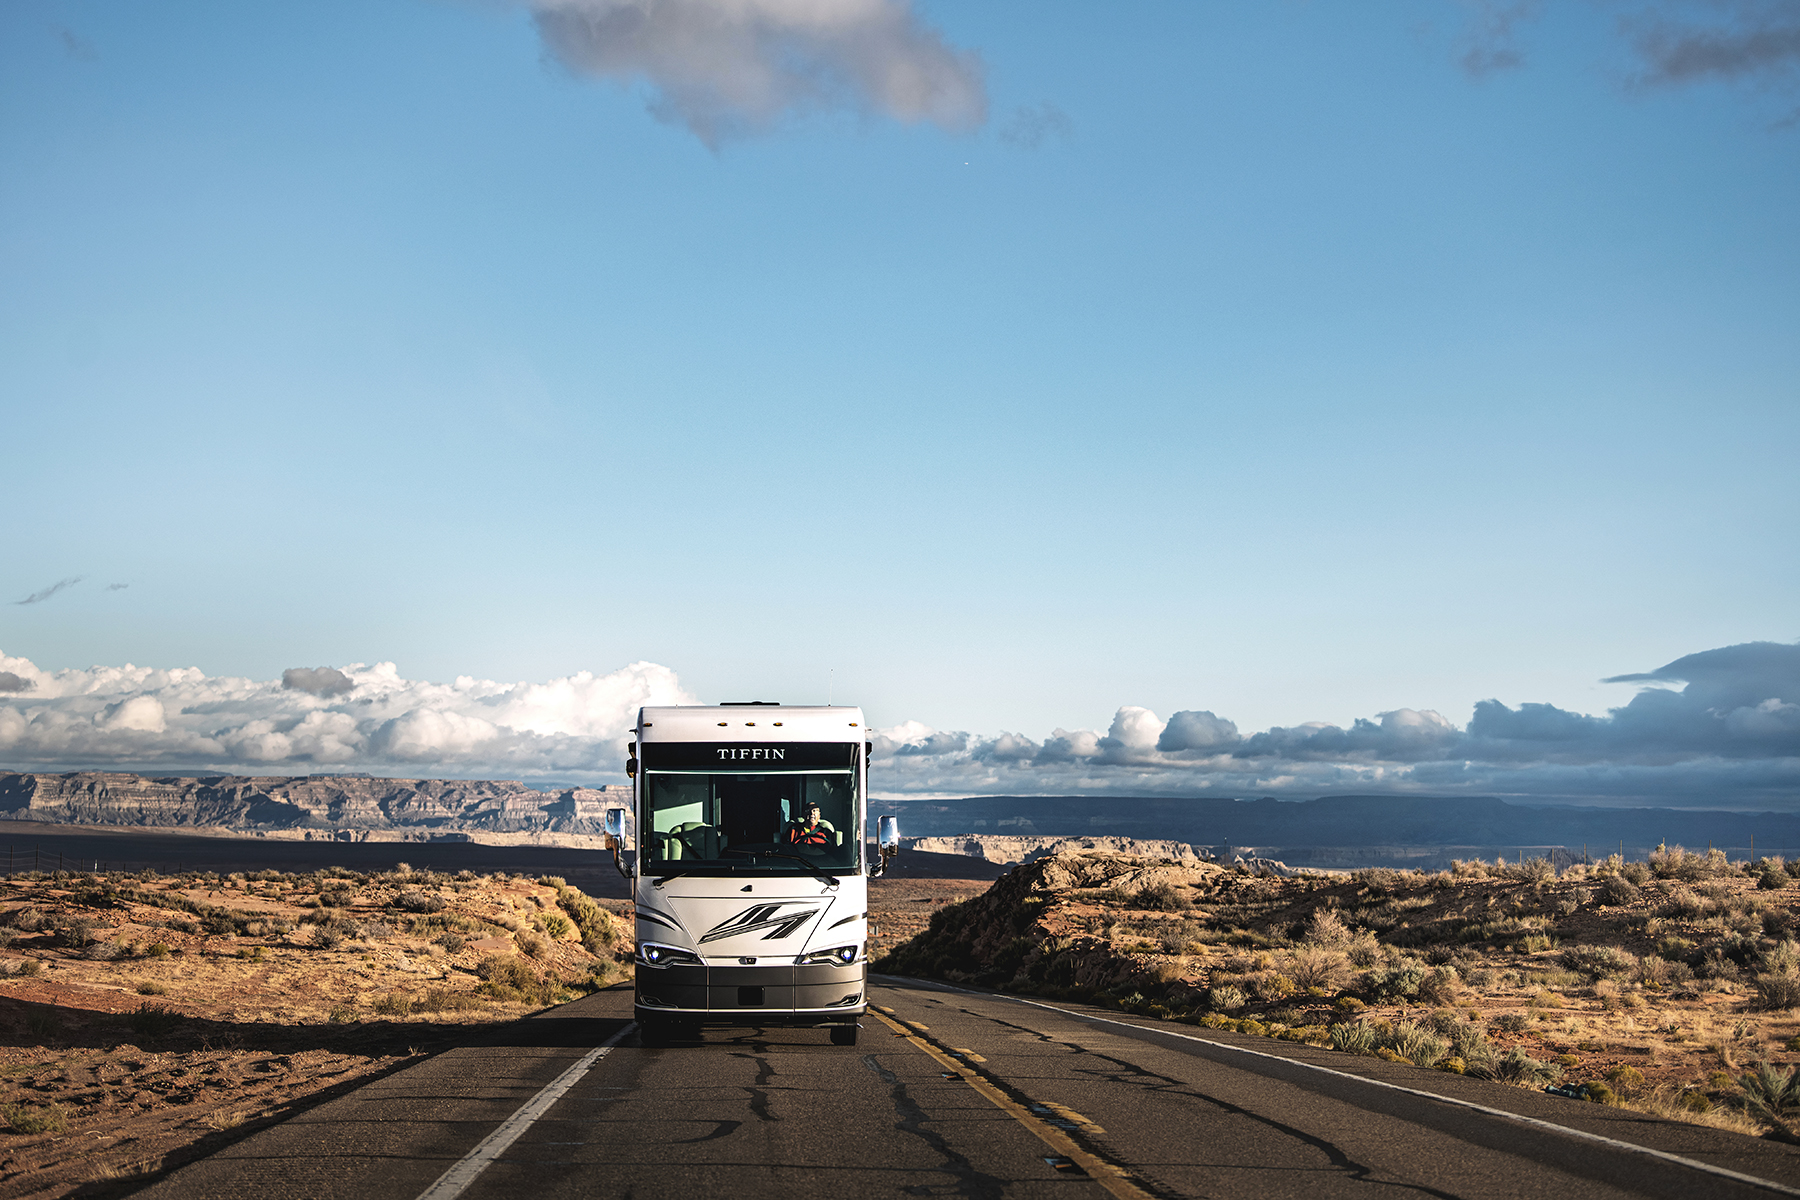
{"points": [[326, 807]]}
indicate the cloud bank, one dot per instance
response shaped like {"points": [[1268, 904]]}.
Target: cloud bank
{"points": [[727, 68], [1718, 728], [1728, 737], [1676, 42], [43, 594], [357, 717]]}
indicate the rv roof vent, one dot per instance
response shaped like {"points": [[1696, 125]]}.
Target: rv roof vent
{"points": [[750, 703]]}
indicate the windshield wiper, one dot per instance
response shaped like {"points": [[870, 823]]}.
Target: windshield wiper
{"points": [[808, 864], [662, 879]]}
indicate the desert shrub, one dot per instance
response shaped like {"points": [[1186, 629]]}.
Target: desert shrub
{"points": [[1683, 904], [1777, 990], [1440, 985], [324, 937], [1597, 961], [1518, 1067], [1656, 971], [452, 942], [1510, 1023], [1353, 1038], [1635, 872], [511, 978], [1416, 1043], [103, 951], [1674, 862], [1364, 950], [151, 1021], [1468, 1041], [532, 944], [1317, 967], [1443, 1021], [1626, 1078], [1771, 1095], [76, 931], [555, 924], [1270, 985], [444, 1000], [1164, 897], [1617, 890], [342, 1014], [1227, 998], [1530, 870], [1397, 982], [419, 902], [394, 1004], [34, 1118], [1380, 880], [1325, 928], [150, 987], [1782, 956], [1769, 875]]}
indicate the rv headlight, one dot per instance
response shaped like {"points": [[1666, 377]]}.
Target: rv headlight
{"points": [[840, 954], [653, 955]]}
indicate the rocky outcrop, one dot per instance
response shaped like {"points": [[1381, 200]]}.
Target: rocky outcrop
{"points": [[1012, 936], [1002, 848], [331, 805]]}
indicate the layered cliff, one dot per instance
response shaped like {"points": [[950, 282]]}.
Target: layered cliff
{"points": [[1001, 848], [325, 803]]}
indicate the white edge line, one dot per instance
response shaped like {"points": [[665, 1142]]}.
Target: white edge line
{"points": [[454, 1181], [1582, 1134]]}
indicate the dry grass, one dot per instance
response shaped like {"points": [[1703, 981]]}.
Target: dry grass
{"points": [[1680, 976], [145, 1012]]}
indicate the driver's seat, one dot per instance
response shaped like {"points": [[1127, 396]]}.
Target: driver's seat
{"points": [[696, 838]]}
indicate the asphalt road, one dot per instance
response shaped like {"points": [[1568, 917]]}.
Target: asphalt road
{"points": [[950, 1093]]}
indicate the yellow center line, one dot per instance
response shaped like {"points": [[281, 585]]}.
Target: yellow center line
{"points": [[1112, 1178]]}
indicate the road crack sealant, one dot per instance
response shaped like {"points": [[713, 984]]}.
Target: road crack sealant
{"points": [[1131, 1075], [1050, 1125], [915, 1120]]}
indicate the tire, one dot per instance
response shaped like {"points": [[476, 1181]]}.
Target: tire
{"points": [[843, 1035]]}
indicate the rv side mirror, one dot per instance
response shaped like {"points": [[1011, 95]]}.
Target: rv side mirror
{"points": [[631, 768], [615, 822], [888, 835]]}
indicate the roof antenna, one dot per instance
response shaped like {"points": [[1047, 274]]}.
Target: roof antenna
{"points": [[830, 686]]}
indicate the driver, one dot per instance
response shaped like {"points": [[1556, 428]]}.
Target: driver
{"points": [[809, 829]]}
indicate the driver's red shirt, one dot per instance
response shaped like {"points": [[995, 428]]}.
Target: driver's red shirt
{"points": [[808, 835]]}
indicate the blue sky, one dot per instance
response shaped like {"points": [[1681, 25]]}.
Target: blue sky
{"points": [[1262, 360]]}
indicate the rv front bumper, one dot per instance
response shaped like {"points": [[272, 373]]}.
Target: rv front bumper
{"points": [[812, 994]]}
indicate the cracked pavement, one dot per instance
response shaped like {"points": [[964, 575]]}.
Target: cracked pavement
{"points": [[962, 1095]]}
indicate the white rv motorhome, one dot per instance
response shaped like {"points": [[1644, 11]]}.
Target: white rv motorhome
{"points": [[750, 883]]}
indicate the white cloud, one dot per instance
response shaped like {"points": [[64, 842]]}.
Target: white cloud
{"points": [[142, 713], [365, 716], [1721, 727], [726, 68], [1730, 736]]}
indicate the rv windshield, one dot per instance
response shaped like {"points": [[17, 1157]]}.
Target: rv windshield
{"points": [[708, 822]]}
